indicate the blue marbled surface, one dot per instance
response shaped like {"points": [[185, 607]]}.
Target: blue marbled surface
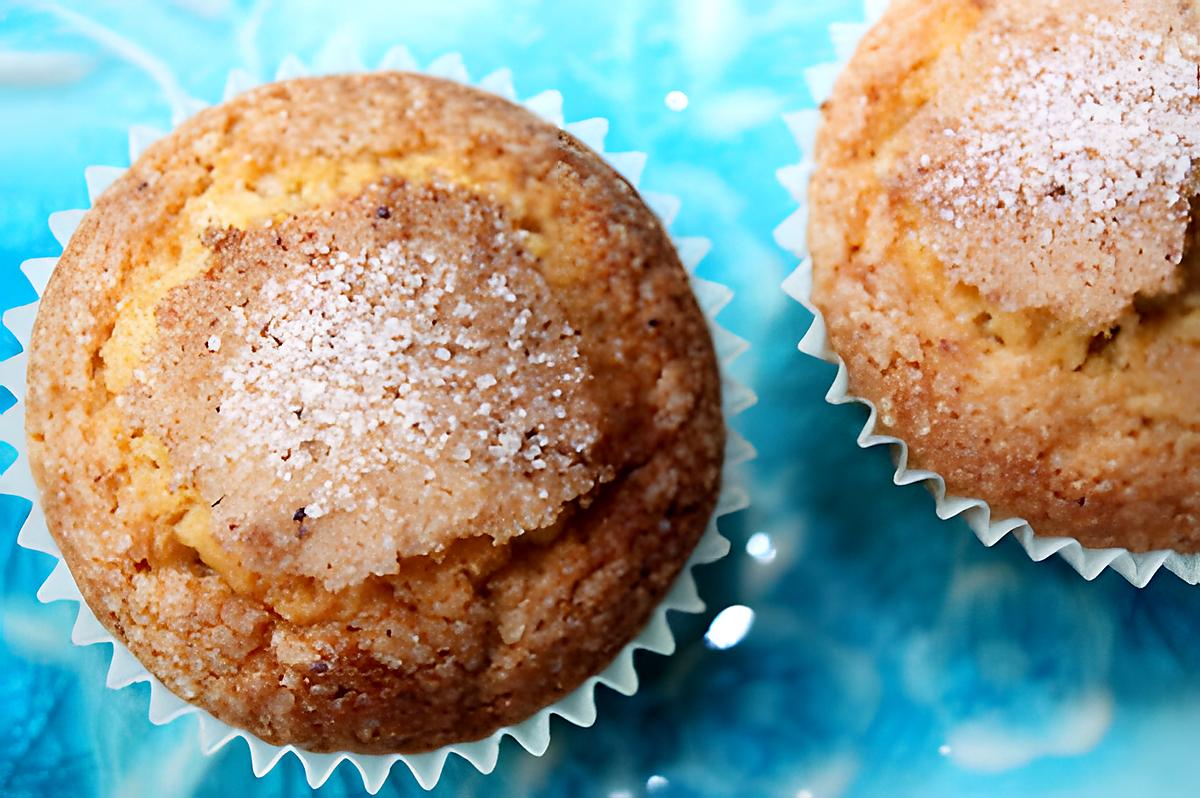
{"points": [[889, 654]]}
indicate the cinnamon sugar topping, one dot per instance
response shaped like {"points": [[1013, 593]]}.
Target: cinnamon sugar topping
{"points": [[407, 380], [378, 344], [1061, 176]]}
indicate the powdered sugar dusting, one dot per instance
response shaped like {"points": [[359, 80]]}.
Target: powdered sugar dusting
{"points": [[1067, 167]]}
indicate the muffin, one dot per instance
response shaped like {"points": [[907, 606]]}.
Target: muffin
{"points": [[1002, 235], [372, 413]]}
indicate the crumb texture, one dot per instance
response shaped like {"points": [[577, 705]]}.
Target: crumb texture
{"points": [[372, 413], [1003, 243]]}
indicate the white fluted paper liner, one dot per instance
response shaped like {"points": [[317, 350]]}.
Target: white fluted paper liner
{"points": [[534, 733], [1137, 567]]}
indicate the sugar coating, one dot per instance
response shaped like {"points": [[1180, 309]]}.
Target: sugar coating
{"points": [[1059, 158], [385, 386], [368, 346]]}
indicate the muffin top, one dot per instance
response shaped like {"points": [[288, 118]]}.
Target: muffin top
{"points": [[390, 373], [1001, 236], [372, 413]]}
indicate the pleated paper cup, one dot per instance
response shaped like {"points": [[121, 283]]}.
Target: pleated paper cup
{"points": [[533, 734], [1137, 567]]}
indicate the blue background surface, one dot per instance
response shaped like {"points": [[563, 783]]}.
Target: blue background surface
{"points": [[890, 654]]}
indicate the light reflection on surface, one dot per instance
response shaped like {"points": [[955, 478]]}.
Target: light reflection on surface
{"points": [[730, 627], [761, 547]]}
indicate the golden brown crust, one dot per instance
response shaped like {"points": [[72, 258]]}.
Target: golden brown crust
{"points": [[1073, 407], [452, 642]]}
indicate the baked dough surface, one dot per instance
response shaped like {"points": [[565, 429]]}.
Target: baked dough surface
{"points": [[372, 413]]}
